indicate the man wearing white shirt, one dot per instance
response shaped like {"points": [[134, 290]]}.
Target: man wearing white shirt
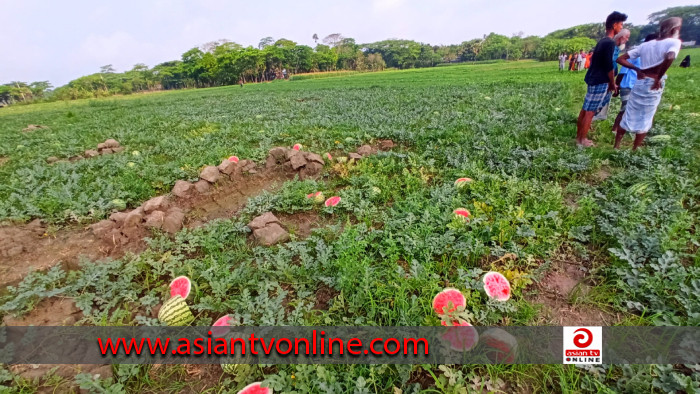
{"points": [[656, 57]]}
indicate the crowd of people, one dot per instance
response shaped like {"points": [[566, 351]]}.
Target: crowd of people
{"points": [[639, 82], [578, 61]]}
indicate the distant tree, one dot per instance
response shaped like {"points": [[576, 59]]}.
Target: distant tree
{"points": [[594, 31], [375, 62], [691, 21], [333, 39], [108, 69], [324, 58], [285, 43], [192, 66], [315, 38], [303, 59], [470, 50], [265, 42], [212, 45], [346, 49], [39, 89], [495, 46], [397, 53], [5, 95], [530, 45]]}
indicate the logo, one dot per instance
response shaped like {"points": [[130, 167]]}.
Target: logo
{"points": [[583, 345]]}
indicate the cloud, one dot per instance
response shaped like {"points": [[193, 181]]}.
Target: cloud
{"points": [[119, 48], [386, 5]]}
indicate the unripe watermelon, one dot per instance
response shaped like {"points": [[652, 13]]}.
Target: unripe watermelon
{"points": [[660, 138], [230, 368], [175, 312], [118, 204]]}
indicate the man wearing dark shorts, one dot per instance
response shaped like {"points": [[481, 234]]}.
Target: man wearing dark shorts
{"points": [[600, 78]]}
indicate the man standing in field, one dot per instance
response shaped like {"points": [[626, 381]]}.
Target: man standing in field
{"points": [[581, 60], [620, 39], [656, 57], [626, 79], [562, 61], [600, 78]]}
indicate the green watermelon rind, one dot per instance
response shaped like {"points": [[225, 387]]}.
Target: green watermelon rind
{"points": [[175, 312]]}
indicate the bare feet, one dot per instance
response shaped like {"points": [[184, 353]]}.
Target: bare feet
{"points": [[586, 143]]}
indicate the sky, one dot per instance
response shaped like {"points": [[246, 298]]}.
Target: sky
{"points": [[59, 41]]}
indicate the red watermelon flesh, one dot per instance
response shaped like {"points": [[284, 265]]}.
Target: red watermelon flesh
{"points": [[497, 286], [255, 388], [180, 286], [461, 336], [333, 201], [448, 301], [462, 213], [501, 346], [219, 329]]}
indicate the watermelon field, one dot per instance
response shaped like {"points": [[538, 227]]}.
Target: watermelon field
{"points": [[584, 236]]}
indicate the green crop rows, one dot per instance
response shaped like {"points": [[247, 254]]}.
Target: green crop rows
{"points": [[508, 126]]}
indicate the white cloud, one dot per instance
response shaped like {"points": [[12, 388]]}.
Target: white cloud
{"points": [[385, 5]]}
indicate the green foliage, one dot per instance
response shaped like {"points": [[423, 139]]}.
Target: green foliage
{"points": [[691, 21], [379, 257]]}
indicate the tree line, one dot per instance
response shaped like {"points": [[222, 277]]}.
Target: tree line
{"points": [[223, 62]]}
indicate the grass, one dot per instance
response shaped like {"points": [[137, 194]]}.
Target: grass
{"points": [[509, 126]]}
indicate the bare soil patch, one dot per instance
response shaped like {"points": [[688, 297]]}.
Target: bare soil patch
{"points": [[324, 295], [301, 224], [49, 312], [558, 290], [28, 247]]}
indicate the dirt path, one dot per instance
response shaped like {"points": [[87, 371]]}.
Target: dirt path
{"points": [[220, 193]]}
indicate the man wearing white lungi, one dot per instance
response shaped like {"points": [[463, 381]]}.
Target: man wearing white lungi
{"points": [[656, 57]]}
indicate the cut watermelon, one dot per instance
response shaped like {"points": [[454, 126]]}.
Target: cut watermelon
{"points": [[297, 147], [255, 388], [333, 201], [497, 286], [448, 301], [461, 336], [501, 347], [462, 214], [180, 286], [461, 182], [317, 197], [329, 157], [233, 159], [220, 327]]}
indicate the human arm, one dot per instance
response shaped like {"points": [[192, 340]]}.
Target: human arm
{"points": [[624, 61], [608, 52], [663, 67]]}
